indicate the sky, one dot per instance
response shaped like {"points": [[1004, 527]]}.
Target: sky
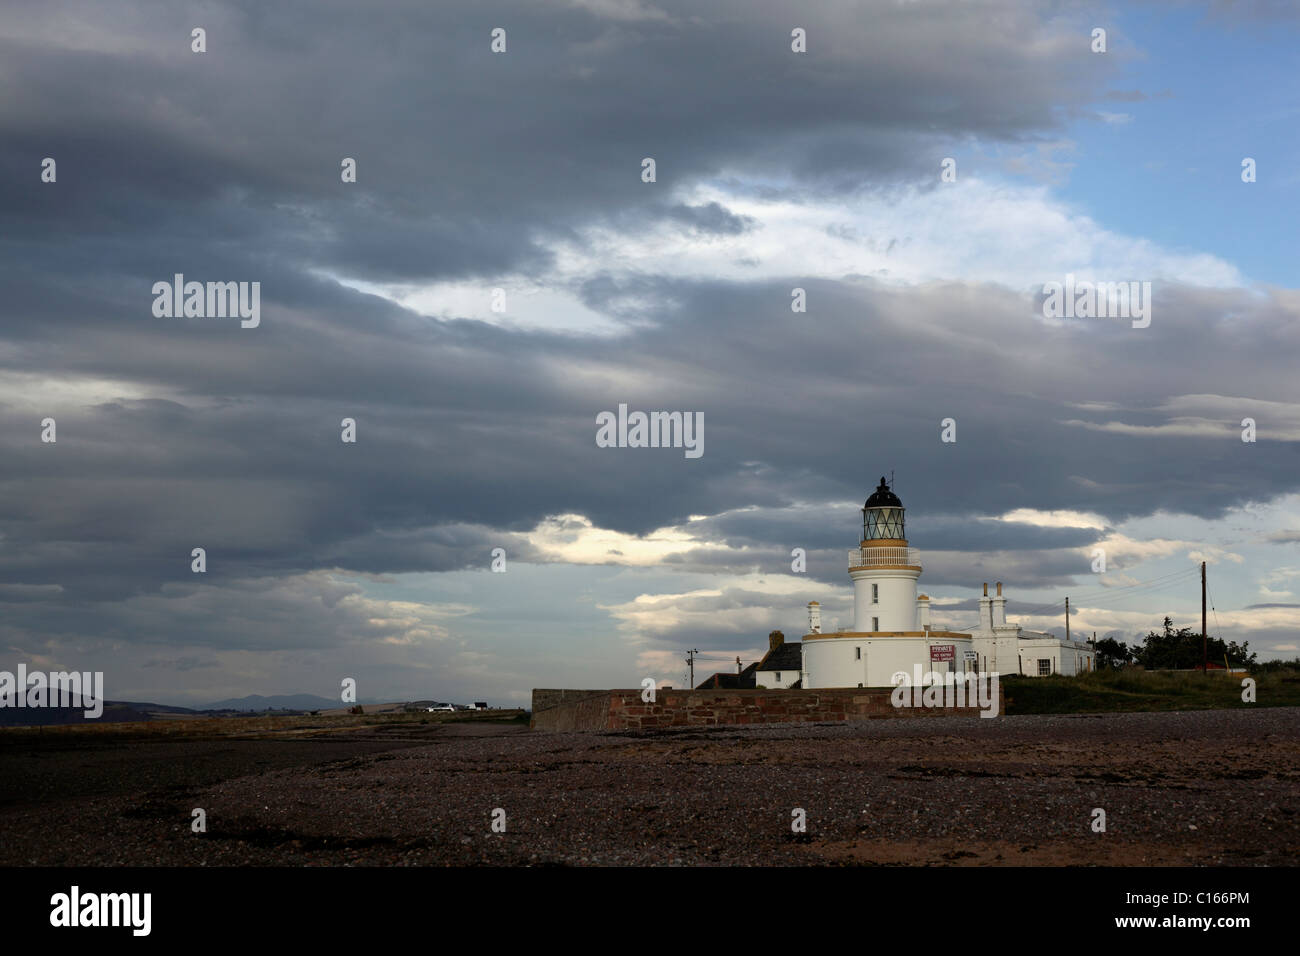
{"points": [[501, 272]]}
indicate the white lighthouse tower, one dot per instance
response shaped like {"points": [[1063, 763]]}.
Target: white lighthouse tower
{"points": [[891, 623], [892, 634], [883, 568]]}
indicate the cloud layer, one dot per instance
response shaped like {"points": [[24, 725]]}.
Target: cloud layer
{"points": [[476, 429]]}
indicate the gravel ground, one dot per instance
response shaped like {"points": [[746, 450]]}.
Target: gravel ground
{"points": [[1188, 788]]}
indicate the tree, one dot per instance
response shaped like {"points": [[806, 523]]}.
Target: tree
{"points": [[1112, 653], [1170, 649]]}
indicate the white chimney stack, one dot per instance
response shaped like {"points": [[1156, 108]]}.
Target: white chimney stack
{"points": [[986, 610], [814, 617]]}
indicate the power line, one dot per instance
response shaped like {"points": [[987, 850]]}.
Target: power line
{"points": [[1138, 589], [1146, 593], [1158, 579], [1171, 578], [1112, 594], [1150, 590], [1047, 609], [1218, 631]]}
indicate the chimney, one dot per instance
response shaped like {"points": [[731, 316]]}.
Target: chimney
{"points": [[775, 640], [814, 617], [986, 610], [999, 608], [923, 611]]}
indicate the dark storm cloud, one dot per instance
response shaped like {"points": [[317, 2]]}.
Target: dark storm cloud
{"points": [[466, 159], [711, 218], [180, 663], [830, 526], [972, 549], [460, 423], [182, 433]]}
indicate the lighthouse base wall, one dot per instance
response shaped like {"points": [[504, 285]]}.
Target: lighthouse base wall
{"points": [[852, 659]]}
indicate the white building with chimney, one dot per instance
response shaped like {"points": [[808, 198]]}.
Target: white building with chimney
{"points": [[891, 622]]}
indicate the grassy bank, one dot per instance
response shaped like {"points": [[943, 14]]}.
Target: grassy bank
{"points": [[1138, 690]]}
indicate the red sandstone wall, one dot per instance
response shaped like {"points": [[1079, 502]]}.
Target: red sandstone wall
{"points": [[624, 709]]}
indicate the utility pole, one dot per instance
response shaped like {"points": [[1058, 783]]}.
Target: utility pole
{"points": [[690, 659], [738, 664], [1067, 619], [1205, 644]]}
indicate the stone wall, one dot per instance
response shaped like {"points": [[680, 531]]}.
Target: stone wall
{"points": [[544, 699], [624, 709]]}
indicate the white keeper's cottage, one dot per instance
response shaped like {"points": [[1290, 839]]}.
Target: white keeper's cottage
{"points": [[891, 622]]}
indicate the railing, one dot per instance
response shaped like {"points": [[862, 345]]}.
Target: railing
{"points": [[883, 557]]}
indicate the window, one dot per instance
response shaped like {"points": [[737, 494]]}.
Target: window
{"points": [[778, 675], [883, 523], [875, 623], [875, 594], [1044, 668], [857, 655]]}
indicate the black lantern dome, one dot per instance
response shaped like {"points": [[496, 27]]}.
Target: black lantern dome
{"points": [[882, 516], [883, 498]]}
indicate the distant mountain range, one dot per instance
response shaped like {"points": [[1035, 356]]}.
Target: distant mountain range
{"points": [[115, 711], [118, 711], [278, 702]]}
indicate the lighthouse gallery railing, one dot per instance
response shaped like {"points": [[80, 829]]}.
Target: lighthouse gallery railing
{"points": [[883, 557]]}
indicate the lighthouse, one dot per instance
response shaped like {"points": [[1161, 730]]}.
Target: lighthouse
{"points": [[892, 634], [883, 568], [891, 622]]}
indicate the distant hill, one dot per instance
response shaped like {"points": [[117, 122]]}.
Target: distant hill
{"points": [[155, 708], [277, 702], [115, 711]]}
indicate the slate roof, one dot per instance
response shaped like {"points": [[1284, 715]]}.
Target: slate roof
{"points": [[721, 681], [787, 657]]}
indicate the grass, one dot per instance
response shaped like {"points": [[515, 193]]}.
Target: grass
{"points": [[1134, 689]]}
